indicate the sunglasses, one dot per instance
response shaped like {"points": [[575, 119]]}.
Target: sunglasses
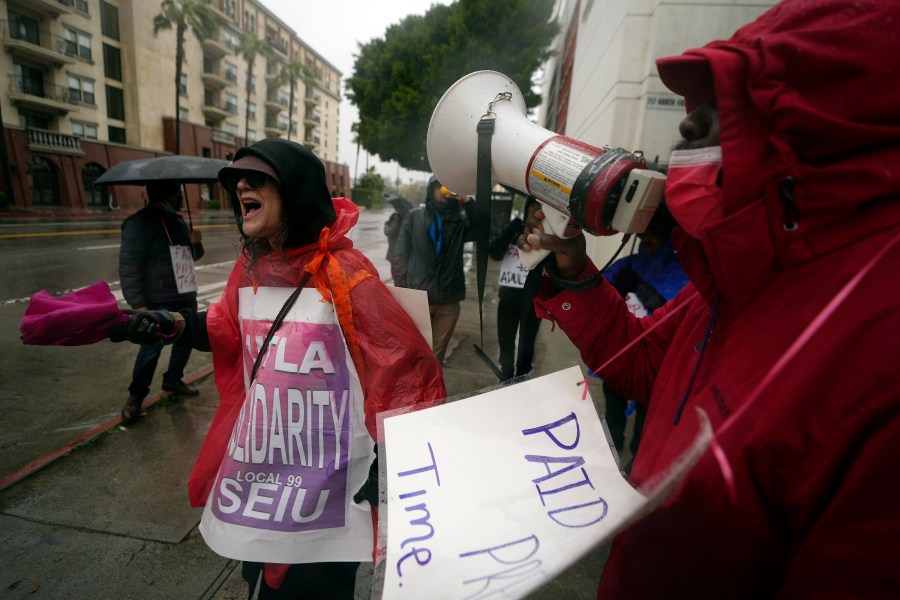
{"points": [[255, 180]]}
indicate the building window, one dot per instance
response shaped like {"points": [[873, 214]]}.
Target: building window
{"points": [[184, 115], [81, 90], [251, 135], [252, 84], [109, 20], [231, 40], [81, 6], [43, 181], [282, 122], [112, 62], [251, 108], [231, 103], [89, 174], [230, 8], [33, 120], [115, 104], [182, 85], [24, 28], [231, 72], [78, 43], [85, 130], [117, 134], [231, 128], [28, 80], [249, 22]]}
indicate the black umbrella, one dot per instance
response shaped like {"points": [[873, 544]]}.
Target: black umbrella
{"points": [[182, 169], [400, 204]]}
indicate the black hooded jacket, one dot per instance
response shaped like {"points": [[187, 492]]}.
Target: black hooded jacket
{"points": [[145, 262]]}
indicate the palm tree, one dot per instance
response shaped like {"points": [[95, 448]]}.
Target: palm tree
{"points": [[182, 14], [249, 47], [290, 74]]}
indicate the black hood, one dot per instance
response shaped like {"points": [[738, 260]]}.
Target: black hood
{"points": [[301, 177]]}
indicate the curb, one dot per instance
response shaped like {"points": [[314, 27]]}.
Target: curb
{"points": [[35, 466]]}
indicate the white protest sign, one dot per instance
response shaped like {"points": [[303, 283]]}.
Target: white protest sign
{"points": [[183, 266], [512, 271], [415, 303], [495, 495]]}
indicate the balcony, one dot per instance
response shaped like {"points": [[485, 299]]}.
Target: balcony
{"points": [[311, 120], [312, 98], [45, 8], [311, 143], [34, 48], [275, 128], [41, 140], [40, 96], [279, 46], [223, 137], [215, 46], [217, 78], [273, 70], [275, 103], [219, 110], [216, 7]]}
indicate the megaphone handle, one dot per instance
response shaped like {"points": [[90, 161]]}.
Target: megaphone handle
{"points": [[555, 223]]}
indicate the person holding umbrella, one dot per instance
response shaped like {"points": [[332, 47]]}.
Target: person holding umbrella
{"points": [[156, 270]]}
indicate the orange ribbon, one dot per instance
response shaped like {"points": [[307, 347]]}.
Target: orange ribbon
{"points": [[333, 285]]}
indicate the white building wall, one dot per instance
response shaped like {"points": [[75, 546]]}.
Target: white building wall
{"points": [[616, 97]]}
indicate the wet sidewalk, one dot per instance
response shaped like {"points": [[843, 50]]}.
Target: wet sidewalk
{"points": [[111, 520]]}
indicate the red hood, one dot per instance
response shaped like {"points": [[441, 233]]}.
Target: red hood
{"points": [[808, 110]]}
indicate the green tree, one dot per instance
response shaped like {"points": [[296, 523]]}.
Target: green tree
{"points": [[249, 47], [398, 80], [371, 180], [290, 74], [182, 14]]}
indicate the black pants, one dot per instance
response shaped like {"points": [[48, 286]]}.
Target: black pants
{"points": [[516, 314], [148, 356], [312, 581], [615, 419]]}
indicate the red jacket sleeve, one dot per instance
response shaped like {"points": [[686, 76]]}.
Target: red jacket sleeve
{"points": [[599, 324]]}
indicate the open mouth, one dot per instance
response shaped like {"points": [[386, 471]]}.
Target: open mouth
{"points": [[251, 207]]}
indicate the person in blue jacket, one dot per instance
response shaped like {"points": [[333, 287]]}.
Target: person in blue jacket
{"points": [[647, 279]]}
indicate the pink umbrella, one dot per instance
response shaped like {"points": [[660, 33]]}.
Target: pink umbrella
{"points": [[76, 319]]}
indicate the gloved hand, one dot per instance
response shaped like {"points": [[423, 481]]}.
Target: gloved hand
{"points": [[369, 490], [148, 327]]}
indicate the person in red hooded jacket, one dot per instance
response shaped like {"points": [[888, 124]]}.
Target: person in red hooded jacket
{"points": [[786, 187]]}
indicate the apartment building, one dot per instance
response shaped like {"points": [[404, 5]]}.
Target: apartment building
{"points": [[89, 84]]}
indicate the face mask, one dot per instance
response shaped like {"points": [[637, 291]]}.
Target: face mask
{"points": [[693, 193]]}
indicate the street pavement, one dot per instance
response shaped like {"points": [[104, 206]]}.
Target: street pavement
{"points": [[110, 519]]}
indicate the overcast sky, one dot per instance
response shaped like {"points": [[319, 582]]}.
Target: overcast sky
{"points": [[334, 29]]}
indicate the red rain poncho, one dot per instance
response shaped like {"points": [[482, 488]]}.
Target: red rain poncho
{"points": [[398, 367]]}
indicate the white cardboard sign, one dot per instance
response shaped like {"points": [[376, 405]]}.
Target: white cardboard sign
{"points": [[183, 266], [512, 272], [495, 495]]}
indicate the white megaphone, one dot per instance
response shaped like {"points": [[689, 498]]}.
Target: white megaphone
{"points": [[604, 190]]}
